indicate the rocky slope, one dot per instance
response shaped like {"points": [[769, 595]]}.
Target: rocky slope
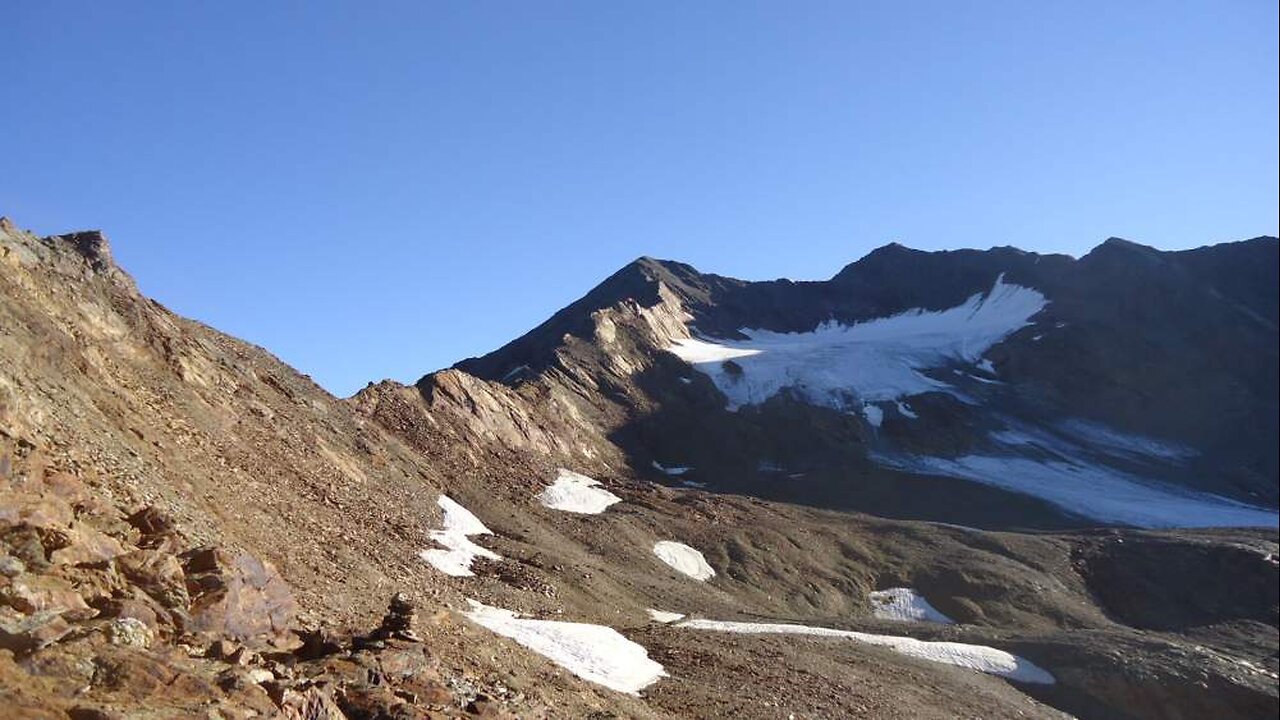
{"points": [[192, 529]]}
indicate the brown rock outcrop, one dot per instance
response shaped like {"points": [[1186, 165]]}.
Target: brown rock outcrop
{"points": [[239, 597]]}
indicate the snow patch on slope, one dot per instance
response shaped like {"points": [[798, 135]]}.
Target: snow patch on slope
{"points": [[459, 551], [843, 366], [1092, 490], [684, 559], [974, 657], [663, 616], [595, 653], [906, 605], [1118, 444], [576, 493], [672, 470]]}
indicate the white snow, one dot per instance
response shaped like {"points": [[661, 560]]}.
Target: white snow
{"points": [[874, 414], [684, 559], [974, 657], [693, 484], [664, 616], [459, 551], [906, 410], [1100, 437], [674, 470], [1093, 490], [576, 493], [905, 604], [844, 366], [596, 653], [986, 366], [685, 380]]}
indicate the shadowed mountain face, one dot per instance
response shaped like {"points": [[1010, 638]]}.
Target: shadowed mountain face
{"points": [[1130, 386]]}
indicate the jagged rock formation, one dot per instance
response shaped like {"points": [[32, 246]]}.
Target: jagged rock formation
{"points": [[189, 527]]}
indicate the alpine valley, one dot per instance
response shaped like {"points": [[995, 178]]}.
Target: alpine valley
{"points": [[989, 484]]}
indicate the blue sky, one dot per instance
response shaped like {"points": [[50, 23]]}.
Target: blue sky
{"points": [[379, 189]]}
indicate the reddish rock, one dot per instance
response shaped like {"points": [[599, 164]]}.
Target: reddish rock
{"points": [[159, 574], [86, 546], [34, 510], [241, 597], [157, 529], [37, 593], [23, 634], [311, 704], [131, 609]]}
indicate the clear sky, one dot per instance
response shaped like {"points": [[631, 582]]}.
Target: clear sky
{"points": [[378, 189]]}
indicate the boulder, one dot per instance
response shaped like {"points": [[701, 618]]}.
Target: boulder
{"points": [[311, 704], [25, 633], [35, 510], [159, 574], [238, 597], [84, 545], [39, 593], [130, 632]]}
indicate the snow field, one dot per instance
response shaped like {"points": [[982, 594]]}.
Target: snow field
{"points": [[576, 493], [458, 553], [684, 559]]}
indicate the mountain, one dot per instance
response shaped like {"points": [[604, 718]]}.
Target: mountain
{"points": [[908, 491], [1131, 386]]}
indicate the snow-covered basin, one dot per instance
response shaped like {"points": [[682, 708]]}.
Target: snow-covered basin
{"points": [[684, 559], [905, 604], [577, 493], [974, 657], [458, 553], [596, 653], [845, 366]]}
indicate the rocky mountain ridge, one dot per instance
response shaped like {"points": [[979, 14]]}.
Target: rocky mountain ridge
{"points": [[1172, 349]]}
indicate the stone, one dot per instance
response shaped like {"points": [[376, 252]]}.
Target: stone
{"points": [[86, 546], [222, 649], [132, 609], [130, 632], [157, 529], [11, 566], [37, 593], [238, 597], [317, 644], [310, 704], [25, 544], [368, 702], [406, 662], [399, 619], [159, 574], [35, 510], [23, 634]]}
